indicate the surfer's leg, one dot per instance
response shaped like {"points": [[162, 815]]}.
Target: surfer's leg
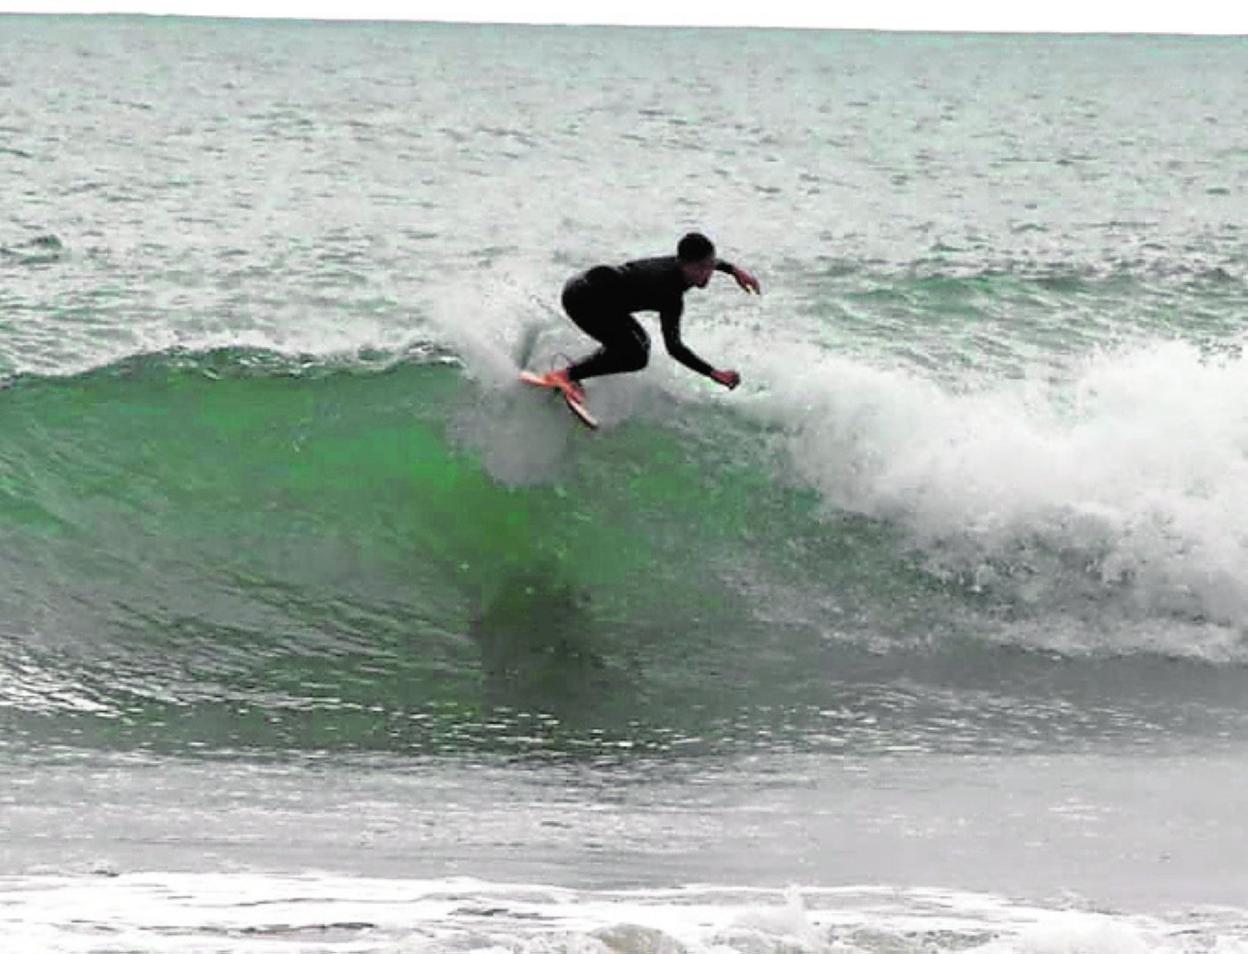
{"points": [[625, 347], [592, 306]]}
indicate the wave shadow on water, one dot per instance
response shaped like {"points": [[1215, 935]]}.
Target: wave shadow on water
{"points": [[542, 649]]}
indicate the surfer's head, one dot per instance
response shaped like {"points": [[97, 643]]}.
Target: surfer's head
{"points": [[696, 254]]}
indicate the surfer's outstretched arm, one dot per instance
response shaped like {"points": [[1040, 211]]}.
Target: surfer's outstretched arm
{"points": [[747, 281], [670, 322]]}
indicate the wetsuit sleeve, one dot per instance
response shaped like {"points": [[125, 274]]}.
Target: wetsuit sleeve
{"points": [[726, 267], [669, 320]]}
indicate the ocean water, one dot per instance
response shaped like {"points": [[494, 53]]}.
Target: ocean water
{"points": [[320, 633]]}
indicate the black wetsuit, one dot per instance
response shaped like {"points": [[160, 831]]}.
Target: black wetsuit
{"points": [[602, 300]]}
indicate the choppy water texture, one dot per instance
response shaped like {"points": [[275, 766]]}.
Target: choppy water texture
{"points": [[948, 597]]}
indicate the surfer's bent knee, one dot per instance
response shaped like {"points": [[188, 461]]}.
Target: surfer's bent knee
{"points": [[639, 351]]}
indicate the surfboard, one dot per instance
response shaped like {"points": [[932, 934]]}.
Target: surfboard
{"points": [[576, 407]]}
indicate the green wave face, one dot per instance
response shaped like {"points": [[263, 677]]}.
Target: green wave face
{"points": [[252, 556], [217, 552]]}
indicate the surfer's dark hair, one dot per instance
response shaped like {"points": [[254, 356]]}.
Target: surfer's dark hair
{"points": [[695, 247]]}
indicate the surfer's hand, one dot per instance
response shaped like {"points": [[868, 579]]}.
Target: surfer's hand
{"points": [[729, 379], [747, 281]]}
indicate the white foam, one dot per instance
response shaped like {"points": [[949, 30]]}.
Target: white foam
{"points": [[321, 912], [1123, 480]]}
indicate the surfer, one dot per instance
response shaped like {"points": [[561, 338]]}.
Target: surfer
{"points": [[602, 300]]}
